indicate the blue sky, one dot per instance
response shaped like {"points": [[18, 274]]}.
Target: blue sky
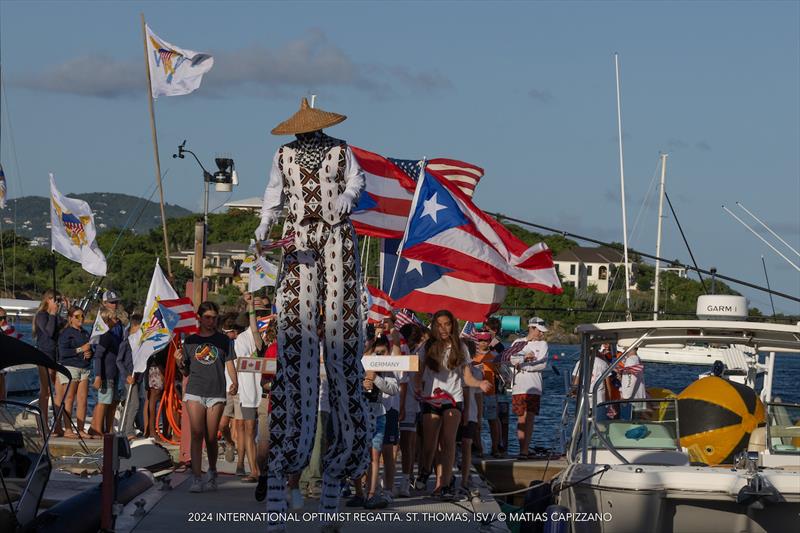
{"points": [[525, 90]]}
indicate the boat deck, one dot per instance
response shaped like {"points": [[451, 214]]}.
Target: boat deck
{"points": [[234, 508]]}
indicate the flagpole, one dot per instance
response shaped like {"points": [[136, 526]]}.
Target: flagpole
{"points": [[155, 149], [408, 222]]}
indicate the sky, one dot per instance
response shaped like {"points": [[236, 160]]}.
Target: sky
{"points": [[525, 90]]}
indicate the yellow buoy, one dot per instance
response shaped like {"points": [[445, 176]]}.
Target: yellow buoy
{"points": [[716, 417]]}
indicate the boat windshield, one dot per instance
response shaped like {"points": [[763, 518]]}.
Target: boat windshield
{"points": [[19, 421], [783, 427], [644, 424]]}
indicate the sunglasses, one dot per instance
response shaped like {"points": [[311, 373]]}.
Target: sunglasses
{"points": [[77, 315]]}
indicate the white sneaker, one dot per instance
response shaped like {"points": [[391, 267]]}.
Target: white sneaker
{"points": [[403, 491], [211, 482], [197, 485], [295, 500]]}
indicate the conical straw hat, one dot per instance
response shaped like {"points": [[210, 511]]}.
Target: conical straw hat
{"points": [[306, 120]]}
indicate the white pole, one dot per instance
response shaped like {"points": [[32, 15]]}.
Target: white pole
{"points": [[658, 233], [408, 222], [622, 188], [313, 100], [768, 228], [762, 238]]}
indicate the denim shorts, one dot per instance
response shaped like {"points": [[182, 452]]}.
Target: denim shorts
{"points": [[205, 401], [108, 393], [78, 374], [489, 407], [380, 430]]}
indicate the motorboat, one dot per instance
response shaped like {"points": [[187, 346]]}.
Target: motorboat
{"points": [[634, 474]]}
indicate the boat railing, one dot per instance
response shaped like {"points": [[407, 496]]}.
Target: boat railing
{"points": [[783, 427]]}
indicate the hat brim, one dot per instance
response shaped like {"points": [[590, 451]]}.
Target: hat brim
{"points": [[308, 120]]}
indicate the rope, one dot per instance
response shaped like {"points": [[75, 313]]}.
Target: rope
{"points": [[170, 399]]}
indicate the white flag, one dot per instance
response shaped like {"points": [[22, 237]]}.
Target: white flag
{"points": [[98, 329], [155, 334], [72, 231], [262, 274], [174, 71]]}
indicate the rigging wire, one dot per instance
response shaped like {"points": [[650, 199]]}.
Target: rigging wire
{"points": [[683, 236]]}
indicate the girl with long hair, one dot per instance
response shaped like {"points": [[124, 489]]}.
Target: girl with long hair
{"points": [[441, 384], [75, 353], [46, 326]]}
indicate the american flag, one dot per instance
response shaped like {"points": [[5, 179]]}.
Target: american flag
{"points": [[280, 243], [464, 175], [468, 331], [514, 349], [405, 316], [632, 369], [380, 306]]}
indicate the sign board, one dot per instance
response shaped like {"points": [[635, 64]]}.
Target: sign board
{"points": [[391, 363], [257, 365]]}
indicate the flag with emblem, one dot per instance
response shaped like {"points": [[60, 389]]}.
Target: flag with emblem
{"points": [[174, 71], [72, 231], [155, 335], [98, 329], [262, 274], [179, 315]]}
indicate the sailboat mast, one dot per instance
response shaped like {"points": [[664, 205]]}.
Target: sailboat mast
{"points": [[622, 188], [658, 233]]}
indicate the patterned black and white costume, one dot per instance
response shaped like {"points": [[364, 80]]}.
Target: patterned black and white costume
{"points": [[319, 180]]}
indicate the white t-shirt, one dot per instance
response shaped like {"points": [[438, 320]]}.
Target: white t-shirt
{"points": [[448, 380], [528, 379], [411, 404], [249, 382], [632, 384], [598, 367], [472, 392]]}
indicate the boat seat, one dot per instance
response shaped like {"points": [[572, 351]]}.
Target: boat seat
{"points": [[657, 436]]}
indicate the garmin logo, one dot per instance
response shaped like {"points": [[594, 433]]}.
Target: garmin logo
{"points": [[721, 308]]}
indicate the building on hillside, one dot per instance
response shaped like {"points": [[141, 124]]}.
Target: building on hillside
{"points": [[222, 264], [583, 266]]}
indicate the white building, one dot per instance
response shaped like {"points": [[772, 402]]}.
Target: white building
{"points": [[221, 265], [582, 267], [248, 204]]}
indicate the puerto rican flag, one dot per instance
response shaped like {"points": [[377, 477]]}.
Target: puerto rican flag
{"points": [[447, 229], [383, 207], [380, 305], [427, 288], [179, 315]]}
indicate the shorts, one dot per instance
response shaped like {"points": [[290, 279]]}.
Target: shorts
{"points": [[205, 401], [410, 422], [428, 409], [244, 413], [230, 405], [391, 433], [380, 429], [502, 410], [108, 393], [489, 407], [525, 403], [470, 431], [78, 374], [263, 420], [155, 378]]}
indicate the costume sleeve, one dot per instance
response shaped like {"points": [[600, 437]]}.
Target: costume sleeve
{"points": [[273, 195], [354, 176]]}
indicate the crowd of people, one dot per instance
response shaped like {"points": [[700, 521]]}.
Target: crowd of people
{"points": [[432, 418]]}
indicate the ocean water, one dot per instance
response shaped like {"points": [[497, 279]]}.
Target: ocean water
{"points": [[563, 357]]}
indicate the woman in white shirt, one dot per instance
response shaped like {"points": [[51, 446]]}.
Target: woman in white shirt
{"points": [[445, 373]]}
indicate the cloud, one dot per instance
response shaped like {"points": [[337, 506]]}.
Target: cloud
{"points": [[703, 146], [309, 63], [542, 95]]}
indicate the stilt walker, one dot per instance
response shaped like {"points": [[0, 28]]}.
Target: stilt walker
{"points": [[319, 180]]}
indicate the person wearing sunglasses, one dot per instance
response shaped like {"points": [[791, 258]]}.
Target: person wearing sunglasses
{"points": [[205, 358], [75, 353]]}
